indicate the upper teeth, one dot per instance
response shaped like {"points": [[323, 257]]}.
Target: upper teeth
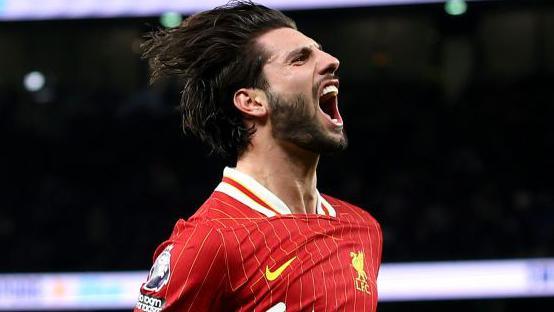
{"points": [[330, 89]]}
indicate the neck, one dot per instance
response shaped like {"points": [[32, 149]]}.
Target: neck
{"points": [[287, 171]]}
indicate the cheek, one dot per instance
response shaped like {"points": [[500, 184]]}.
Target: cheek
{"points": [[291, 81]]}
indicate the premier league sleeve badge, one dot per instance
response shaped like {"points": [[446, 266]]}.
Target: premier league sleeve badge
{"points": [[160, 272]]}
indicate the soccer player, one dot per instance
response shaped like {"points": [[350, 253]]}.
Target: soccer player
{"points": [[256, 88]]}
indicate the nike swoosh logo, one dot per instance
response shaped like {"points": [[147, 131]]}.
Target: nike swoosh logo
{"points": [[271, 276]]}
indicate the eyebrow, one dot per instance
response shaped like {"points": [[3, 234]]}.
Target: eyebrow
{"points": [[302, 50]]}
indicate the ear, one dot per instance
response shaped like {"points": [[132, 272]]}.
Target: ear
{"points": [[251, 102]]}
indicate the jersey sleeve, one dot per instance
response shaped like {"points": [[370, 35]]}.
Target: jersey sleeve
{"points": [[188, 274]]}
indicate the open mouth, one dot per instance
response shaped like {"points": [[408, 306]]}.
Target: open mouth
{"points": [[328, 103]]}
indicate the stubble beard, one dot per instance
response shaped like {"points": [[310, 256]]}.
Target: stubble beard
{"points": [[292, 122]]}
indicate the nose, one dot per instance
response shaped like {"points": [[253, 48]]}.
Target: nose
{"points": [[329, 64]]}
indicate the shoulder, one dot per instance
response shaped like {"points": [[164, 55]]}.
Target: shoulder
{"points": [[191, 267], [222, 212], [345, 209], [208, 226], [188, 241], [187, 268], [191, 233]]}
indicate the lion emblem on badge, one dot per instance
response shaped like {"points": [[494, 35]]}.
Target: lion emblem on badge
{"points": [[159, 274]]}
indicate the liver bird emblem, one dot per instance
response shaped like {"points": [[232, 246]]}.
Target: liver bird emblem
{"points": [[358, 264]]}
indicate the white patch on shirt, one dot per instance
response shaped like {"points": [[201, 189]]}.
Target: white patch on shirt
{"points": [[160, 272]]}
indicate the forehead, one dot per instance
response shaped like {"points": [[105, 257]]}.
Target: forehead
{"points": [[281, 41]]}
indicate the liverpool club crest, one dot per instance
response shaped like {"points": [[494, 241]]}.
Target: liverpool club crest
{"points": [[360, 282]]}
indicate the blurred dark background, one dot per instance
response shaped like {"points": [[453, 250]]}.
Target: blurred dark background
{"points": [[449, 120]]}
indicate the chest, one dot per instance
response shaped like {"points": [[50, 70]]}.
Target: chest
{"points": [[305, 264]]}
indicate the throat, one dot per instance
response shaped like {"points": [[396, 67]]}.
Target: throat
{"points": [[329, 107], [306, 204], [290, 181]]}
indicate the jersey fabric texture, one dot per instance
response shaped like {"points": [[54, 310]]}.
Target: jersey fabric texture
{"points": [[244, 250]]}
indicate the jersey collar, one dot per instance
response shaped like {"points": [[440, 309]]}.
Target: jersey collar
{"points": [[251, 193]]}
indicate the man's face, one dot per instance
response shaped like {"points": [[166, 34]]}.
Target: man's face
{"points": [[302, 91]]}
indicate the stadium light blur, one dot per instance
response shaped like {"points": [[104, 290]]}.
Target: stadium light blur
{"points": [[455, 7], [416, 281], [11, 10], [34, 81], [171, 19]]}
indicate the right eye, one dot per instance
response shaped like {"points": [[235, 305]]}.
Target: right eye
{"points": [[301, 58]]}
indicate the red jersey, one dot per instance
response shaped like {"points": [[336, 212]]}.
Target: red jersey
{"points": [[244, 250]]}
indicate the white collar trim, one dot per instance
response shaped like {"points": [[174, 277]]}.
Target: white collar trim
{"points": [[274, 204]]}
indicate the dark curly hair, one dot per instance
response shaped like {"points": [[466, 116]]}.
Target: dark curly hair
{"points": [[213, 54]]}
